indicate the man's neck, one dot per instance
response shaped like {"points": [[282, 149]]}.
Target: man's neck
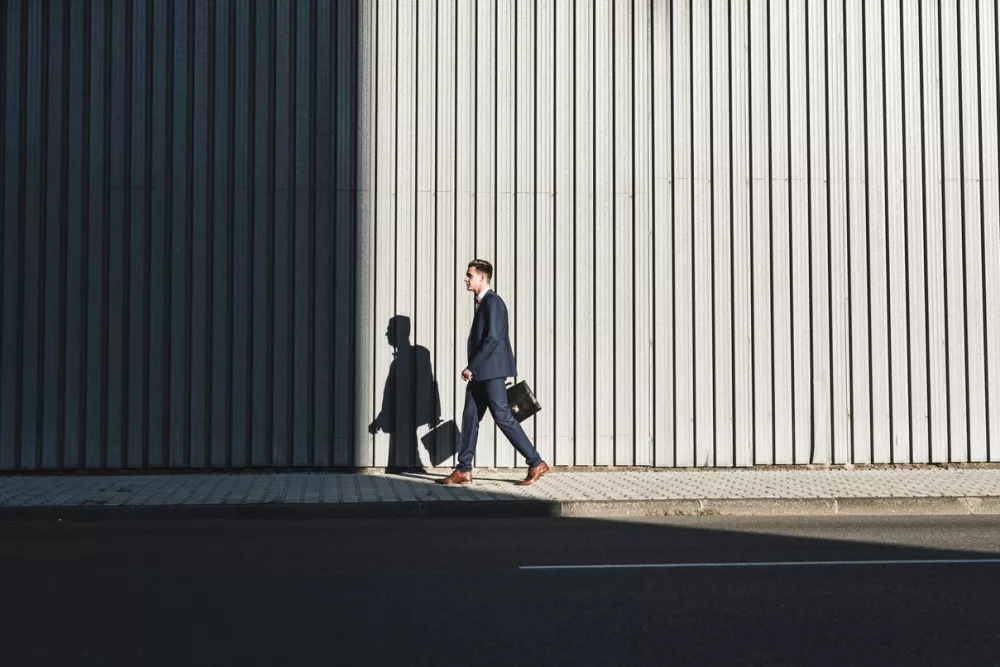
{"points": [[483, 292]]}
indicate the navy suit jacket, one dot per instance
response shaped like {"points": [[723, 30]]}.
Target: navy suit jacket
{"points": [[490, 353]]}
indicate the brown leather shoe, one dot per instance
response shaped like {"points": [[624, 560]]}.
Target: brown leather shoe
{"points": [[534, 474], [457, 477]]}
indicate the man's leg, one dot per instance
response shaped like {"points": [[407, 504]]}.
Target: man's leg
{"points": [[475, 408], [510, 427]]}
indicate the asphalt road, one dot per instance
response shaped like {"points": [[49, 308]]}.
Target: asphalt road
{"points": [[454, 592]]}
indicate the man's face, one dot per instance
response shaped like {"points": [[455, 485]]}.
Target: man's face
{"points": [[474, 280]]}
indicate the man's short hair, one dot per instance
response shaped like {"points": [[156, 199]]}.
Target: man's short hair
{"points": [[484, 267]]}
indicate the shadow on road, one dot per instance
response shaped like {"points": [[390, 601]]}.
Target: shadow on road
{"points": [[263, 592]]}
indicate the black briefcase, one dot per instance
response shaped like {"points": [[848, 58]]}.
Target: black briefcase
{"points": [[522, 401]]}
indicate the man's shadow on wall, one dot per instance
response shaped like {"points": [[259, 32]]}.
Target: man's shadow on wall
{"points": [[411, 406]]}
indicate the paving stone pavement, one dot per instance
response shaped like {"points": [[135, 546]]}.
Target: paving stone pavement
{"points": [[329, 488]]}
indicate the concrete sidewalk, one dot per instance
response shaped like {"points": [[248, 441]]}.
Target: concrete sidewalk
{"points": [[927, 490]]}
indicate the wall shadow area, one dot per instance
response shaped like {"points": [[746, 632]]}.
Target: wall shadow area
{"points": [[178, 196]]}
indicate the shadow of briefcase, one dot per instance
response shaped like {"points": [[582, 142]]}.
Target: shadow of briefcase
{"points": [[522, 401], [441, 442]]}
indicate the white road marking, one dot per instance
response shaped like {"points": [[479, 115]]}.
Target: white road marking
{"points": [[813, 563]]}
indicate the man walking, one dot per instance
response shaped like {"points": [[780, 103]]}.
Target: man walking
{"points": [[491, 360]]}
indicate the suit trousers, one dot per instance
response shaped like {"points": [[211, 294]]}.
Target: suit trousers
{"points": [[492, 394]]}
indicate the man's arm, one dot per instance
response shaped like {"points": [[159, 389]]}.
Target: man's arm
{"points": [[496, 320]]}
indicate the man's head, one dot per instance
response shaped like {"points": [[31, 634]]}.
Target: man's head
{"points": [[478, 275]]}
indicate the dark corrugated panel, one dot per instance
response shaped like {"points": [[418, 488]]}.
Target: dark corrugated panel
{"points": [[178, 233]]}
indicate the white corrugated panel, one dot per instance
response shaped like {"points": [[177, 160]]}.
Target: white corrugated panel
{"points": [[465, 184], [683, 212], [857, 229], [425, 307], [937, 341], [896, 237], [408, 278], [643, 282], [583, 224], [506, 240], [522, 327], [727, 233], [448, 343], [840, 305], [817, 150], [953, 222], [604, 380], [701, 222], [877, 243], [781, 236], [761, 447], [915, 215], [988, 59], [385, 207], [972, 221], [622, 234], [484, 112], [801, 351], [662, 262], [563, 403], [742, 277], [719, 228], [545, 229]]}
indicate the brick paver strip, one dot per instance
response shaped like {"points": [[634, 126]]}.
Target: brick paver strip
{"points": [[490, 486]]}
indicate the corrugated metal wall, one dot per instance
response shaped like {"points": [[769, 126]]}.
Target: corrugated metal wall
{"points": [[729, 233], [178, 201]]}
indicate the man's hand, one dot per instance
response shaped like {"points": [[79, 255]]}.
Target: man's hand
{"points": [[466, 375]]}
